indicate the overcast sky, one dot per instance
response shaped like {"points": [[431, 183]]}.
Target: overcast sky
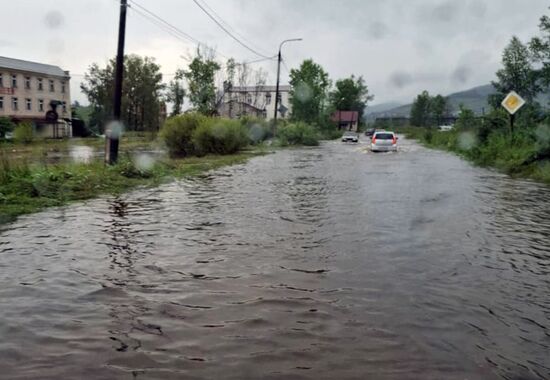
{"points": [[400, 47]]}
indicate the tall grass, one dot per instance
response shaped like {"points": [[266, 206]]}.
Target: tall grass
{"points": [[297, 134], [525, 152]]}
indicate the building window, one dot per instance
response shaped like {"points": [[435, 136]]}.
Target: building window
{"points": [[14, 104], [52, 86], [279, 97], [14, 81], [41, 105], [28, 83], [267, 98], [1, 102], [40, 85], [1, 81], [249, 98], [63, 87], [28, 103], [64, 107]]}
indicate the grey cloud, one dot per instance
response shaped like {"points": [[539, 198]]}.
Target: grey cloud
{"points": [[54, 19], [445, 12], [378, 30], [477, 8], [461, 74], [401, 79]]}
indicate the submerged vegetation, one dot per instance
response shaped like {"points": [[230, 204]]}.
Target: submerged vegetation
{"points": [[28, 188], [524, 153]]}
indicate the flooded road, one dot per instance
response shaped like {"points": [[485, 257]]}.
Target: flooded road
{"points": [[321, 263]]}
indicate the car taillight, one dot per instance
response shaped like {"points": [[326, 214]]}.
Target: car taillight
{"points": [[394, 140], [374, 140]]}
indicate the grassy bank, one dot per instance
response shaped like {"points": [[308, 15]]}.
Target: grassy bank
{"points": [[41, 148], [526, 153], [25, 189]]}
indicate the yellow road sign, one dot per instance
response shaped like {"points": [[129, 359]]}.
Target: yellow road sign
{"points": [[513, 102]]}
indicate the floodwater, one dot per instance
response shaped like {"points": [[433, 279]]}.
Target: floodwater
{"points": [[321, 263]]}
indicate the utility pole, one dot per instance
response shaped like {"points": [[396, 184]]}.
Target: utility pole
{"points": [[277, 91], [279, 59], [113, 134]]}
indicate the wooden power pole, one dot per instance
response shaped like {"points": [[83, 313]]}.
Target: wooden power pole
{"points": [[114, 133]]}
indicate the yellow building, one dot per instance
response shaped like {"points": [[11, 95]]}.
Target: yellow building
{"points": [[38, 93]]}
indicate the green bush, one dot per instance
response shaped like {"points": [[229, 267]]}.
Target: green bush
{"points": [[297, 134], [6, 125], [220, 136], [177, 133], [23, 133], [258, 129]]}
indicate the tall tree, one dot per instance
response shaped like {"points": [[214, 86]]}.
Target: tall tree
{"points": [[201, 76], [421, 110], [310, 83], [540, 47], [176, 93], [141, 93], [350, 94], [517, 73], [438, 108]]}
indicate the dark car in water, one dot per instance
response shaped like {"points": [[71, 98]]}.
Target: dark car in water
{"points": [[370, 132]]}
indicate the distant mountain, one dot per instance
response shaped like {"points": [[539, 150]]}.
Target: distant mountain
{"points": [[474, 98], [382, 107]]}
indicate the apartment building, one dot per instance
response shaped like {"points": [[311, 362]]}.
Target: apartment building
{"points": [[258, 101], [38, 93]]}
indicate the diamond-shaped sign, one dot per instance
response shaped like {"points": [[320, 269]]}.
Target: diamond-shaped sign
{"points": [[513, 102]]}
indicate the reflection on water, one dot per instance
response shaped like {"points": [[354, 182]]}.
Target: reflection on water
{"points": [[81, 153], [315, 263]]}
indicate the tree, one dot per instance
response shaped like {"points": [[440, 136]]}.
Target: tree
{"points": [[309, 84], [466, 118], [141, 93], [540, 48], [438, 108], [516, 74], [350, 94], [6, 125], [200, 77], [421, 110], [176, 93]]}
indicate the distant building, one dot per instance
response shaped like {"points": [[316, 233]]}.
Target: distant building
{"points": [[258, 101], [346, 120], [37, 93]]}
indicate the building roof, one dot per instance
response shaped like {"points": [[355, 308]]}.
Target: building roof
{"points": [[266, 88], [345, 116], [33, 67]]}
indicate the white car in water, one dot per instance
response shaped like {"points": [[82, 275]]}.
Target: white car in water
{"points": [[384, 141], [350, 136]]}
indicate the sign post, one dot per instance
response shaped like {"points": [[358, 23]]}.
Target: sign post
{"points": [[512, 103]]}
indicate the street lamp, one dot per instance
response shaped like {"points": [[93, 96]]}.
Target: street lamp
{"points": [[278, 76]]}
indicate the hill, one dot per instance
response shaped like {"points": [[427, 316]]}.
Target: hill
{"points": [[474, 98]]}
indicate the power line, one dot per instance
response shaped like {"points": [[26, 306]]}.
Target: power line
{"points": [[160, 25], [228, 32], [231, 28], [260, 60], [160, 19], [168, 27]]}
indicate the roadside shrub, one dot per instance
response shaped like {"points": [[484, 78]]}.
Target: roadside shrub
{"points": [[177, 133], [258, 129], [220, 136], [6, 125], [297, 134], [23, 133]]}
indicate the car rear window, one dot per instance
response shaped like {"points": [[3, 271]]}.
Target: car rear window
{"points": [[384, 136]]}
